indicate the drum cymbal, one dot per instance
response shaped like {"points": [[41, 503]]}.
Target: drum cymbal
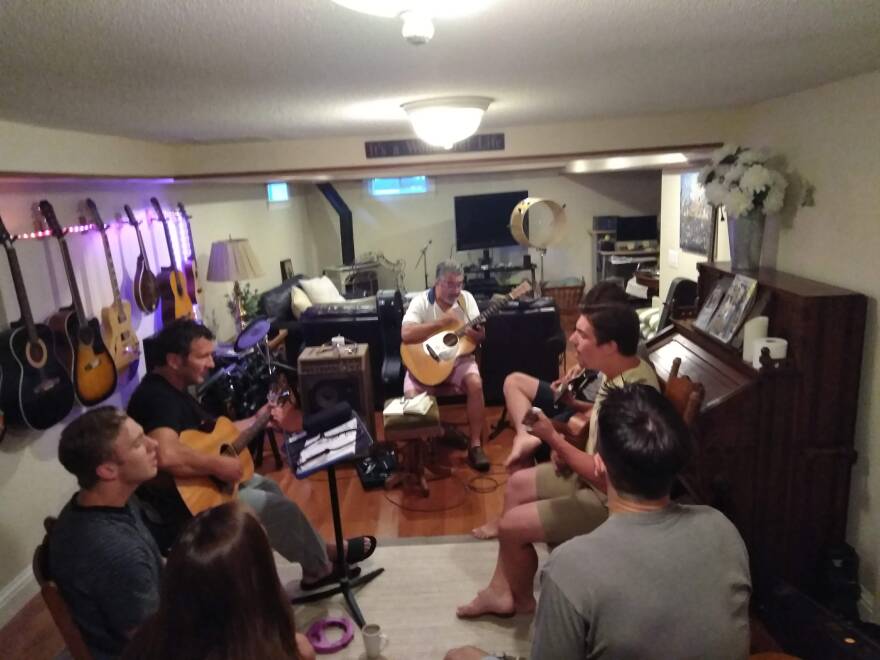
{"points": [[253, 333]]}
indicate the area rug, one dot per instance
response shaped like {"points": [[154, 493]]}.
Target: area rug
{"points": [[414, 600]]}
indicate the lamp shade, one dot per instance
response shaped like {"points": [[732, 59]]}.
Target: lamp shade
{"points": [[443, 122], [232, 260]]}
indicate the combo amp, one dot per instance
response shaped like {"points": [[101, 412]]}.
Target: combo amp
{"points": [[330, 374]]}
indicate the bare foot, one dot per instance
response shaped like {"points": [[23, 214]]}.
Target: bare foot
{"points": [[487, 531], [488, 602]]}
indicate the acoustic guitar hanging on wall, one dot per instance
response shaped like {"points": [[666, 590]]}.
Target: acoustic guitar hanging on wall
{"points": [[176, 303], [79, 340], [144, 286]]}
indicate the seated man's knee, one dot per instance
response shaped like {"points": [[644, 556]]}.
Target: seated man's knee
{"points": [[473, 384], [519, 485], [514, 382]]}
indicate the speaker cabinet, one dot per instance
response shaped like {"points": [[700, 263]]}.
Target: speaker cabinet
{"points": [[330, 374]]}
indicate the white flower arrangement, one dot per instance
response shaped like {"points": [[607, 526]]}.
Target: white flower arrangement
{"points": [[739, 179]]}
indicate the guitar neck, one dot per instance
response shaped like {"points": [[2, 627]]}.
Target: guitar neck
{"points": [[189, 234], [246, 437], [140, 239], [117, 298], [20, 293], [485, 314], [164, 221], [71, 282]]}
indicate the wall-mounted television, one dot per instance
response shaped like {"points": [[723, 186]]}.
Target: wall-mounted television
{"points": [[483, 221]]}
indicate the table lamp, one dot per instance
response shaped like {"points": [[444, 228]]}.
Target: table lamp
{"points": [[233, 260]]}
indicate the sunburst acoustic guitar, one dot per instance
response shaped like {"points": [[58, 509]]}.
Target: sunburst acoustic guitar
{"points": [[119, 335], [144, 287], [431, 361], [36, 390], [176, 303], [78, 338]]}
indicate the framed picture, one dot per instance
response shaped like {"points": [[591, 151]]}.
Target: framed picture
{"points": [[286, 269], [695, 217]]}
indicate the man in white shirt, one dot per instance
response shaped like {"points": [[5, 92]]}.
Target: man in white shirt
{"points": [[443, 306]]}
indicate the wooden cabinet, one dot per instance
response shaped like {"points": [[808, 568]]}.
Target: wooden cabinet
{"points": [[775, 445]]}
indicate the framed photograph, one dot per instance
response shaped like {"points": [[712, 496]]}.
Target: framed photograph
{"points": [[734, 306], [286, 269], [695, 217]]}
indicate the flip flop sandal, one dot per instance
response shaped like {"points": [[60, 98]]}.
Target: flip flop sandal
{"points": [[357, 549], [331, 578]]}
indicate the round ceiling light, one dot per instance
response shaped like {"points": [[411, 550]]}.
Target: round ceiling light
{"points": [[444, 121], [417, 15]]}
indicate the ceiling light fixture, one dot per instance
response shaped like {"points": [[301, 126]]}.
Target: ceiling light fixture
{"points": [[444, 121], [417, 15]]}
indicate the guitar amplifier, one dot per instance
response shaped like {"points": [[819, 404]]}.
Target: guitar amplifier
{"points": [[330, 374]]}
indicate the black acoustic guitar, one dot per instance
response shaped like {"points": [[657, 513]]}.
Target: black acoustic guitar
{"points": [[145, 287], [36, 390], [78, 338]]}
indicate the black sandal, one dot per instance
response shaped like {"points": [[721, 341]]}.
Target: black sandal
{"points": [[357, 550]]}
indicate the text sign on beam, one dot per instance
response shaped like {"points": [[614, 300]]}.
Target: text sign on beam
{"points": [[415, 147]]}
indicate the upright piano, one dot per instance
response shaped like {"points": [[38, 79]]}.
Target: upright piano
{"points": [[775, 444]]}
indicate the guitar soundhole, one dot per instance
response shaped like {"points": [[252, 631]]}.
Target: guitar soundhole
{"points": [[450, 339], [37, 354]]}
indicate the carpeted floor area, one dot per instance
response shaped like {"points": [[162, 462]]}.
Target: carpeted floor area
{"points": [[414, 600]]}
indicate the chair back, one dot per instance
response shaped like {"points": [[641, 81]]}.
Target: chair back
{"points": [[55, 601], [686, 395]]}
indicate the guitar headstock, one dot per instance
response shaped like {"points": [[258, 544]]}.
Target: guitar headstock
{"points": [[182, 210], [51, 219], [158, 207], [133, 221], [93, 209], [521, 289], [5, 237]]}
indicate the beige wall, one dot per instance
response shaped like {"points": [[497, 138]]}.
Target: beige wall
{"points": [[400, 226], [831, 137], [35, 150]]}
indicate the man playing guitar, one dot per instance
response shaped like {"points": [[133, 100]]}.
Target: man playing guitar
{"points": [[432, 311], [162, 405]]}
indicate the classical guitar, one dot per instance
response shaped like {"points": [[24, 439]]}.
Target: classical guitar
{"points": [[144, 286], [119, 335], [36, 390], [78, 338], [201, 493], [176, 303], [190, 268], [571, 384], [431, 361]]}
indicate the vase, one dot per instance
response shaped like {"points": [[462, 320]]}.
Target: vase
{"points": [[746, 234]]}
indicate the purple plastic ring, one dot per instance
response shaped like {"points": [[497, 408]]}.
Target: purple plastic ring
{"points": [[316, 636]]}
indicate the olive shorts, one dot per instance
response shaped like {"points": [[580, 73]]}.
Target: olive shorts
{"points": [[566, 507]]}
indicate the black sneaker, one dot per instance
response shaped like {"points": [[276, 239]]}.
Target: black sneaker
{"points": [[477, 458]]}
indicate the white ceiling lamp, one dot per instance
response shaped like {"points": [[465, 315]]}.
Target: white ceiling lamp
{"points": [[417, 15], [443, 122]]}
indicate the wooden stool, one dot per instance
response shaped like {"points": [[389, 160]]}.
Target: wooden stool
{"points": [[412, 435]]}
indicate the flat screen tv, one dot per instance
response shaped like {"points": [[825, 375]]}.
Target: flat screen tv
{"points": [[483, 221]]}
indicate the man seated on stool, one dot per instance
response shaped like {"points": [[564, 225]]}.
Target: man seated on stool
{"points": [[434, 310], [522, 391], [556, 501], [658, 579], [162, 405], [101, 555]]}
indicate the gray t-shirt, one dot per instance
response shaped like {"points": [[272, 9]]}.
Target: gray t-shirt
{"points": [[107, 566], [665, 584]]}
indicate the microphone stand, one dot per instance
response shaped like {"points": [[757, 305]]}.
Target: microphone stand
{"points": [[424, 259]]}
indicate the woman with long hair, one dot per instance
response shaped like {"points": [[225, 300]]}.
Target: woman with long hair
{"points": [[220, 597]]}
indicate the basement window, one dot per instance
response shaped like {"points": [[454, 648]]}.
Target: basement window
{"points": [[401, 185], [277, 192]]}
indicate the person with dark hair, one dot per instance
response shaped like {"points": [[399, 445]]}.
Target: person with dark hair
{"points": [[101, 555], [565, 497], [522, 391], [657, 579], [443, 305], [221, 598], [162, 405]]}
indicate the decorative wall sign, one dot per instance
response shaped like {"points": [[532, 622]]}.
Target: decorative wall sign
{"points": [[695, 220], [415, 147]]}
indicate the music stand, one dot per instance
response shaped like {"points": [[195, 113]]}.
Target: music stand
{"points": [[295, 445]]}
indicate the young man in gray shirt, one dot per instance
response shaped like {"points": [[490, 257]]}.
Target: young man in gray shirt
{"points": [[657, 579]]}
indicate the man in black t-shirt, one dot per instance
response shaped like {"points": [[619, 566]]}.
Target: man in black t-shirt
{"points": [[162, 405]]}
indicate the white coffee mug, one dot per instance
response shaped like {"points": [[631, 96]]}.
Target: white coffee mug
{"points": [[374, 640]]}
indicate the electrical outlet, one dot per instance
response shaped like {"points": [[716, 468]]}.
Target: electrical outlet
{"points": [[673, 258]]}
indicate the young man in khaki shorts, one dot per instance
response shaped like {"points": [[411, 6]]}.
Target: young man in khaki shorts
{"points": [[556, 501]]}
